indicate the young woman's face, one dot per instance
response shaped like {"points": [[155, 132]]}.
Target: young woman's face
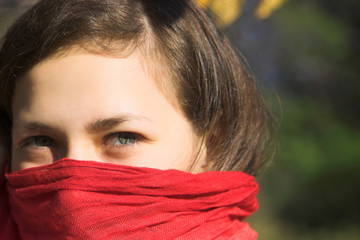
{"points": [[90, 107]]}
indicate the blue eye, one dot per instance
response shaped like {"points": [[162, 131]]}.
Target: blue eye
{"points": [[38, 141], [122, 139]]}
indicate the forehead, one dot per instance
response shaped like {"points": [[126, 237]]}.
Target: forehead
{"points": [[92, 84]]}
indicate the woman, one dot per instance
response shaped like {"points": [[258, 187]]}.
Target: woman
{"points": [[117, 117]]}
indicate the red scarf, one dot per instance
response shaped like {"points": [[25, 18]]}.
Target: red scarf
{"points": [[72, 199]]}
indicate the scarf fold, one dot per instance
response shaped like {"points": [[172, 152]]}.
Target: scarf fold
{"points": [[73, 199]]}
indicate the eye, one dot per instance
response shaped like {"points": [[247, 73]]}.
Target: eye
{"points": [[38, 142], [122, 139]]}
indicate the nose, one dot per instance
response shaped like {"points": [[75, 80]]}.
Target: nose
{"points": [[83, 151]]}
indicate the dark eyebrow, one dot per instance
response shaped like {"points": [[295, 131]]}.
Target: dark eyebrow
{"points": [[33, 125], [108, 123], [98, 125]]}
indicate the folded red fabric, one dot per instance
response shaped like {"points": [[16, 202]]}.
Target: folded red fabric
{"points": [[72, 199], [8, 228]]}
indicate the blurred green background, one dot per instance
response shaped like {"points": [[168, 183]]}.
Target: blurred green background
{"points": [[306, 53]]}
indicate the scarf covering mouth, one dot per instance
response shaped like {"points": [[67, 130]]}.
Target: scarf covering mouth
{"points": [[73, 199]]}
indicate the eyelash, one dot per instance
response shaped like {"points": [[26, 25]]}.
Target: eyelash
{"points": [[129, 139], [32, 143], [134, 139]]}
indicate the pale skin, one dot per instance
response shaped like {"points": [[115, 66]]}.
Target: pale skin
{"points": [[86, 106]]}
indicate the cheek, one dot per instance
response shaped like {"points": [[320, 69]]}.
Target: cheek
{"points": [[178, 152], [21, 160]]}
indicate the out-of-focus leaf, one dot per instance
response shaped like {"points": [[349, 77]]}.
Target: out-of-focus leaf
{"points": [[226, 12], [267, 7]]}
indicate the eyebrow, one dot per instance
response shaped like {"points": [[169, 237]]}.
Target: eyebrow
{"points": [[95, 126], [108, 123], [33, 125]]}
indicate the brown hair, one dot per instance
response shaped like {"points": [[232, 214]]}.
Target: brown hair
{"points": [[214, 90]]}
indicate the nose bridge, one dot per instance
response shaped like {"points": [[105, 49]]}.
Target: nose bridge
{"points": [[82, 150]]}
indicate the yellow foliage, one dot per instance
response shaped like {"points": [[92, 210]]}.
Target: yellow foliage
{"points": [[267, 7], [227, 11]]}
